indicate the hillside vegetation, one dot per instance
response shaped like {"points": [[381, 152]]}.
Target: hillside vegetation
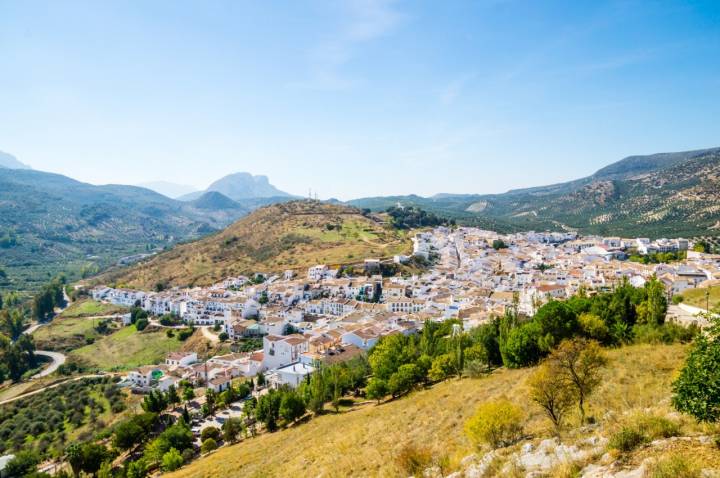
{"points": [[293, 235], [669, 194], [50, 223], [375, 440]]}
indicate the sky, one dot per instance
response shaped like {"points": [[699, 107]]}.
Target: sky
{"points": [[355, 98]]}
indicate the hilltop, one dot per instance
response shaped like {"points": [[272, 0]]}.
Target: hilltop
{"points": [[291, 235], [51, 223], [382, 440], [241, 187], [665, 194]]}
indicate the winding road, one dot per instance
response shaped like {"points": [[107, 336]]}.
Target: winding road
{"points": [[57, 360]]}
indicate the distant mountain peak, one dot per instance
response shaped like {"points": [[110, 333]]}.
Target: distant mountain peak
{"points": [[11, 162], [243, 185]]}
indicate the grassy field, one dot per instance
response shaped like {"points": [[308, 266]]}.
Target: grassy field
{"points": [[698, 297], [126, 349], [91, 308], [367, 440], [272, 239], [64, 334]]}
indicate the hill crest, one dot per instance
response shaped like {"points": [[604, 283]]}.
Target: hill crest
{"points": [[291, 235]]}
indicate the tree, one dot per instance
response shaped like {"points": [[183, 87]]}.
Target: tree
{"points": [[172, 396], [188, 393], [24, 463], [403, 380], [520, 347], [556, 321], [172, 460], [93, 456], [74, 456], [232, 428], [495, 423], [141, 324], [292, 406], [552, 393], [579, 361], [376, 389], [442, 367], [136, 469], [697, 390]]}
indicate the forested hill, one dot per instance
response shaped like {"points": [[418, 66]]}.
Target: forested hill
{"points": [[50, 223], [666, 194]]}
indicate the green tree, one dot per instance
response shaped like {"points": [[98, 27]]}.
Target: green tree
{"points": [[172, 460], [376, 389], [697, 390], [495, 423], [232, 429], [24, 463], [292, 406], [404, 379]]}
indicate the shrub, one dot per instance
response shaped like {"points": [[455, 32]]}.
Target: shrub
{"points": [[140, 324], [210, 432], [208, 445], [172, 460], [627, 439], [413, 460], [674, 466], [223, 336], [496, 423]]}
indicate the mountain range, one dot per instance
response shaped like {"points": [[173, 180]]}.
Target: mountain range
{"points": [[666, 194], [51, 223]]}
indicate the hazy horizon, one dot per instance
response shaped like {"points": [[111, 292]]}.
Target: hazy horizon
{"points": [[356, 98]]}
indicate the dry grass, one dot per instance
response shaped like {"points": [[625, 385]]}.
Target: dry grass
{"points": [[427, 426], [292, 235]]}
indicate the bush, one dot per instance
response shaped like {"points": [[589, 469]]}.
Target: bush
{"points": [[223, 336], [172, 460], [497, 423], [208, 445], [627, 439], [414, 460], [140, 324], [210, 432]]}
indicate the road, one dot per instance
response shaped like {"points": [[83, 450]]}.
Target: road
{"points": [[209, 335], [57, 360]]}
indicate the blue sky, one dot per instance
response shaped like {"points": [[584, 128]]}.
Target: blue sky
{"points": [[355, 98]]}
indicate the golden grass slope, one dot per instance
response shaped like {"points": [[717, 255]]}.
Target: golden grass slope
{"points": [[367, 440], [293, 235]]}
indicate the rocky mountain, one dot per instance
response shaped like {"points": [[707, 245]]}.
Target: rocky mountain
{"points": [[241, 187], [51, 223], [171, 190], [11, 162], [274, 238], [666, 194]]}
